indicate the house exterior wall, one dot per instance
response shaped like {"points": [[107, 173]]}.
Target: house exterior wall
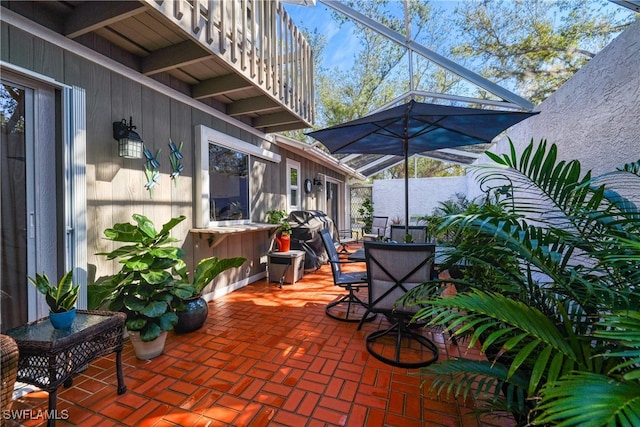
{"points": [[593, 117], [115, 186]]}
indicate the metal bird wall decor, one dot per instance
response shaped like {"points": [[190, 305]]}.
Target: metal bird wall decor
{"points": [[174, 157], [151, 170]]}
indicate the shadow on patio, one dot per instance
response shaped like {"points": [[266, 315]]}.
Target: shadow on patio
{"points": [[266, 356]]}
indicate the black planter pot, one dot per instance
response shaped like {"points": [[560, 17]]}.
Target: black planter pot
{"points": [[192, 315]]}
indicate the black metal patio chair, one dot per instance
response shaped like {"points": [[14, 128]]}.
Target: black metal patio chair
{"points": [[378, 228], [418, 233], [392, 270], [348, 308]]}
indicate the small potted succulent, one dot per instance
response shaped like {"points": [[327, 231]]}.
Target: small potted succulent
{"points": [[61, 298], [193, 312]]}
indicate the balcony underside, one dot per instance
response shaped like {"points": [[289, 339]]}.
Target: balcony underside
{"points": [[266, 84]]}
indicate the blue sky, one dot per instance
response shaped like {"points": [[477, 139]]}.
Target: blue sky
{"points": [[341, 43]]}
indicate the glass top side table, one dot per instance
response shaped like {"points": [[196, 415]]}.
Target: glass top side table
{"points": [[49, 357]]}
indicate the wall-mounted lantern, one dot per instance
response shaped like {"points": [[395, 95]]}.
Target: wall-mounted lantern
{"points": [[130, 144], [318, 184]]}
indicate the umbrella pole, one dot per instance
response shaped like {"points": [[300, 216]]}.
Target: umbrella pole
{"points": [[406, 187]]}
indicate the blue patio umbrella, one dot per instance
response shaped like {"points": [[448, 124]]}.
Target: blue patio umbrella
{"points": [[414, 128]]}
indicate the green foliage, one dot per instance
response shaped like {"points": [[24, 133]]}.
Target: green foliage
{"points": [[206, 270], [525, 45], [528, 46], [143, 289], [365, 211], [61, 297], [423, 167], [373, 80], [456, 205], [279, 217], [549, 290]]}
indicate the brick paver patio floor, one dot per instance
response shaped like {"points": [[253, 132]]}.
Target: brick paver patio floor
{"points": [[265, 357]]}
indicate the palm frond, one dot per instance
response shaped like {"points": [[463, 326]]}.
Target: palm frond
{"points": [[584, 398], [622, 329], [551, 273], [483, 380], [521, 331]]}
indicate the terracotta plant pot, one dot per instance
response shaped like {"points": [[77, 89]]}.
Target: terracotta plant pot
{"points": [[284, 243], [192, 316], [146, 350]]}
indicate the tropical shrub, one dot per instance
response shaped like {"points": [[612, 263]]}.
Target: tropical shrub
{"points": [[550, 292], [366, 214], [144, 288]]}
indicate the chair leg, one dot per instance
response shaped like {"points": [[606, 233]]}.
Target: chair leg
{"points": [[364, 318], [402, 332], [350, 300], [343, 250]]}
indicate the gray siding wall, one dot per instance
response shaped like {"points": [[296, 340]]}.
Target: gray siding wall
{"points": [[115, 186]]}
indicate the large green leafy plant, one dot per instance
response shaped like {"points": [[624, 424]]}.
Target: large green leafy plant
{"points": [[206, 270], [144, 289], [550, 292]]}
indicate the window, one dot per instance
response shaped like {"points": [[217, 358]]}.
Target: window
{"points": [[293, 185], [228, 184], [225, 163]]}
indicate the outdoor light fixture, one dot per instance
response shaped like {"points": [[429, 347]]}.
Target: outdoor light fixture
{"points": [[129, 142], [318, 184]]}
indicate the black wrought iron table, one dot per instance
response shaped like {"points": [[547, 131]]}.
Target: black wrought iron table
{"points": [[49, 357]]}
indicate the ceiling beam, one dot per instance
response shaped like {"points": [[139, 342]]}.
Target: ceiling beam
{"points": [[375, 163], [252, 105], [278, 128], [91, 16], [457, 98], [630, 4], [455, 152], [173, 56], [349, 157], [274, 119], [219, 85]]}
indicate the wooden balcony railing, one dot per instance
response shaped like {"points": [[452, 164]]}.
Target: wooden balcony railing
{"points": [[255, 37]]}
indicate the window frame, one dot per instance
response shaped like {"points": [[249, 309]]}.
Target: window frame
{"points": [[204, 137], [292, 164]]}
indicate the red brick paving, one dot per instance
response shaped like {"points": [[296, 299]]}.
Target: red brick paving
{"points": [[265, 357]]}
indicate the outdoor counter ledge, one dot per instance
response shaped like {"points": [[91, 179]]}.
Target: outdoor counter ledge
{"points": [[218, 234]]}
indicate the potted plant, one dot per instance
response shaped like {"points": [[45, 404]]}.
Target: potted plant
{"points": [[193, 312], [365, 211], [283, 233], [144, 288], [549, 290], [61, 298]]}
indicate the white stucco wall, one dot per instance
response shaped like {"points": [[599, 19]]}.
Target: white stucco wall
{"points": [[424, 195], [595, 116]]}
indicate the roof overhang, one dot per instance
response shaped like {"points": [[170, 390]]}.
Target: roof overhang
{"points": [[317, 155]]}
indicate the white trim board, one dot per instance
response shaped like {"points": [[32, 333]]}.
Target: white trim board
{"points": [[205, 135]]}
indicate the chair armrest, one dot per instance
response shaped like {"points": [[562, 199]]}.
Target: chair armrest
{"points": [[342, 261]]}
